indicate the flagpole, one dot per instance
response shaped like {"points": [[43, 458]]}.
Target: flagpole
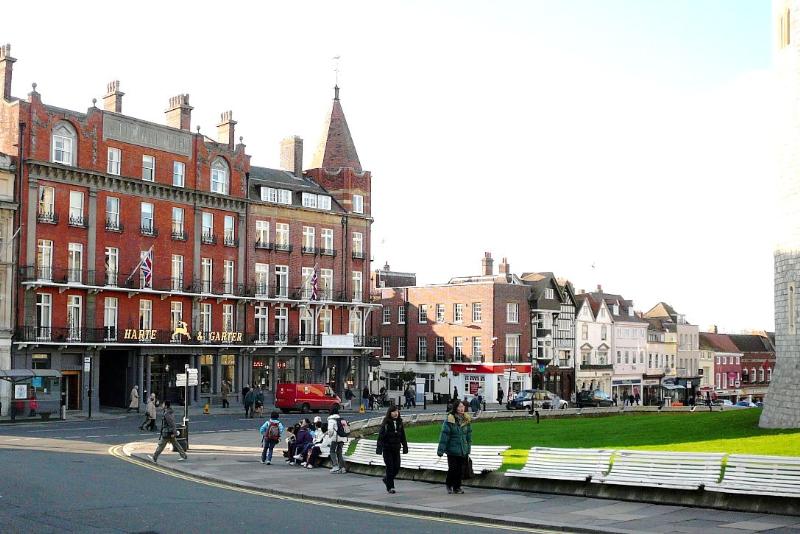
{"points": [[138, 265]]}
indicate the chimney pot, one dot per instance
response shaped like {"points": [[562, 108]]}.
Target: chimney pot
{"points": [[179, 114], [504, 268], [292, 155], [226, 129], [487, 264], [6, 70], [113, 99]]}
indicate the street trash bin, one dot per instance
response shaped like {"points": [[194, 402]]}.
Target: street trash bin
{"points": [[182, 436]]}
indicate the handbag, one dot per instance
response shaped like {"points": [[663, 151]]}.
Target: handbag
{"points": [[468, 472]]}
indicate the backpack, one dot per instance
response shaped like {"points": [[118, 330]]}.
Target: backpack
{"points": [[342, 429], [273, 432]]}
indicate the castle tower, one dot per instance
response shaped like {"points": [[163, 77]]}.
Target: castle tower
{"points": [[780, 406]]}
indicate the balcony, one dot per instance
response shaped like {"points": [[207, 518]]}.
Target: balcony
{"points": [[327, 252], [218, 288], [263, 245], [309, 250], [113, 225], [284, 247], [178, 233], [208, 238], [281, 291], [148, 229], [370, 341], [47, 217], [77, 221], [230, 241], [358, 254], [597, 367]]}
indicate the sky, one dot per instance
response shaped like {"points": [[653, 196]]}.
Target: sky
{"points": [[625, 143]]}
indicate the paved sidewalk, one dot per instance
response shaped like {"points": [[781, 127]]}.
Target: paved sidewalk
{"points": [[233, 458]]}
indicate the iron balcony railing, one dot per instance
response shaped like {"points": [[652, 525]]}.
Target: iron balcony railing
{"points": [[208, 238], [113, 225], [358, 255], [178, 234], [327, 251], [148, 229], [48, 217], [78, 221], [230, 241], [263, 245], [284, 247], [309, 250]]}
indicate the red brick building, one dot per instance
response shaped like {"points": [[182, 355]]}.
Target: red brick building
{"points": [[472, 334], [139, 242]]}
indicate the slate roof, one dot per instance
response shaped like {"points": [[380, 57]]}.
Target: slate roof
{"points": [[717, 342], [336, 148], [751, 343], [278, 178], [624, 305]]}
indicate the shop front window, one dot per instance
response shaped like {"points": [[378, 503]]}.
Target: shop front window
{"points": [[228, 363], [206, 370], [286, 370]]}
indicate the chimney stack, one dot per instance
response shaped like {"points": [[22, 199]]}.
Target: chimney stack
{"points": [[599, 288], [504, 268], [713, 329], [225, 129], [292, 155], [113, 99], [179, 114], [488, 264], [6, 69]]}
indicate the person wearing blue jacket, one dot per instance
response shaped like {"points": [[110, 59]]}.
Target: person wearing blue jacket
{"points": [[305, 440], [271, 432]]}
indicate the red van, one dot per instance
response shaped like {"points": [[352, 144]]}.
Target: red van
{"points": [[306, 397]]}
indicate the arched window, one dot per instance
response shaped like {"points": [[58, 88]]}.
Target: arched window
{"points": [[761, 375], [63, 144], [753, 375], [769, 374], [220, 176]]}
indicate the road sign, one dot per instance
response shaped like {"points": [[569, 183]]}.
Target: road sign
{"points": [[180, 380], [193, 377], [87, 363]]}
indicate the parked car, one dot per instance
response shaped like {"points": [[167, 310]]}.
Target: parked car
{"points": [[539, 398], [746, 404], [594, 397], [306, 397], [721, 402]]}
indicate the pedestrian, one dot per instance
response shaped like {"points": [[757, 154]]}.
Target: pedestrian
{"points": [[413, 394], [455, 440], [630, 400], [391, 438], [615, 399], [407, 397], [245, 390], [249, 402], [259, 401], [500, 394], [271, 432], [475, 404], [637, 398], [337, 441], [134, 404], [455, 393], [225, 390], [150, 414], [168, 434], [366, 398]]}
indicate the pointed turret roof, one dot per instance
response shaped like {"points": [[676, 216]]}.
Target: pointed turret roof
{"points": [[336, 148]]}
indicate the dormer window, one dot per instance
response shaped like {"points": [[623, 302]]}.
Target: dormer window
{"points": [[271, 194], [616, 309], [310, 200], [63, 145], [220, 177], [630, 312], [548, 293]]}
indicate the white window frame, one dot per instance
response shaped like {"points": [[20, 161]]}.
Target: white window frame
{"points": [[63, 142], [439, 313], [44, 316], [228, 276], [76, 208], [355, 326], [282, 281], [512, 312], [358, 204], [207, 226], [326, 276], [281, 325], [458, 348], [262, 278], [458, 312], [112, 266], [512, 347], [358, 286], [327, 239], [75, 263], [309, 200], [309, 237], [114, 161], [175, 314], [112, 212], [145, 314], [228, 318], [422, 314], [178, 173], [477, 312], [323, 202], [220, 176], [177, 221], [549, 293], [401, 314], [387, 315], [206, 318], [148, 168], [176, 272], [282, 235], [401, 347], [44, 259], [229, 230], [477, 347], [74, 317], [47, 201], [326, 321], [261, 319], [358, 243], [147, 218], [110, 318], [262, 233], [206, 274]]}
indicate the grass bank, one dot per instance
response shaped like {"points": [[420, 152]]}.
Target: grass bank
{"points": [[731, 431]]}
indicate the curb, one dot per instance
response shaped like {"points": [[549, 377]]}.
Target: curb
{"points": [[409, 509]]}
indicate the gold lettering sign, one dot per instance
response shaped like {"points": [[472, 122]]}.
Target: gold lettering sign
{"points": [[178, 334]]}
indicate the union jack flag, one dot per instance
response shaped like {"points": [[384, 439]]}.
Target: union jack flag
{"points": [[314, 284], [147, 267]]}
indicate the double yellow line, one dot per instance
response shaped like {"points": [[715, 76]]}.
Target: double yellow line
{"points": [[117, 452]]}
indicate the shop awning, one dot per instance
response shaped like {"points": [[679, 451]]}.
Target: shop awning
{"points": [[17, 375], [490, 369], [671, 386]]}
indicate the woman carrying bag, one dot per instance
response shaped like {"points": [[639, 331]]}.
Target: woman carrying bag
{"points": [[391, 437], [456, 441]]}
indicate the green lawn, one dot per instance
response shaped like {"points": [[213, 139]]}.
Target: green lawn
{"points": [[731, 431]]}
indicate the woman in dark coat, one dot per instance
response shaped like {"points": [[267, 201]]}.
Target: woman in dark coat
{"points": [[456, 441], [391, 438]]}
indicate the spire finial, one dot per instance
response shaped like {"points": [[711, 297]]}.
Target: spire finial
{"points": [[336, 93], [336, 71]]}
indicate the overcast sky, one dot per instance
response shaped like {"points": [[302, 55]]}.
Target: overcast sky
{"points": [[629, 135]]}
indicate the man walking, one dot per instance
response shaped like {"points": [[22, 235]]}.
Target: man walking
{"points": [[500, 394], [225, 390], [134, 404], [168, 434]]}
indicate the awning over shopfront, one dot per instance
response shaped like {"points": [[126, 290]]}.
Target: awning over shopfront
{"points": [[672, 387], [479, 368], [19, 375]]}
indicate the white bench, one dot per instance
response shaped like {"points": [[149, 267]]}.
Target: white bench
{"points": [[679, 470], [564, 464], [423, 456], [760, 475]]}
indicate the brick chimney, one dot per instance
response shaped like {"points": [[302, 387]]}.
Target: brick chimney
{"points": [[487, 264], [226, 128], [113, 99], [713, 329], [179, 114], [599, 288], [504, 268], [6, 69], [292, 155]]}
